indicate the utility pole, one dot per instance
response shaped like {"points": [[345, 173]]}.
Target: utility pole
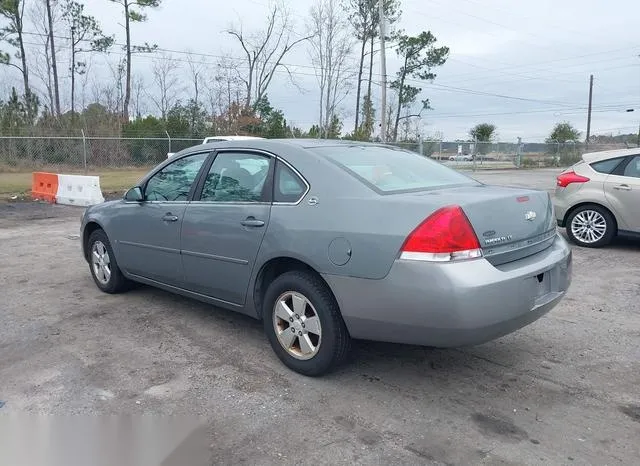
{"points": [[383, 73], [589, 115], [638, 126]]}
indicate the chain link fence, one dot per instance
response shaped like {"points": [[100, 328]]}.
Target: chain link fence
{"points": [[90, 153], [77, 154], [501, 155]]}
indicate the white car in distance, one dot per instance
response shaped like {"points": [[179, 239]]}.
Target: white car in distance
{"points": [[209, 139]]}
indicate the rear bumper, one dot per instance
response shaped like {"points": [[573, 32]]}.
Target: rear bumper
{"points": [[451, 305]]}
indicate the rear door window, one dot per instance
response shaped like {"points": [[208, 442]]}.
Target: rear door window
{"points": [[633, 168], [388, 170], [237, 177]]}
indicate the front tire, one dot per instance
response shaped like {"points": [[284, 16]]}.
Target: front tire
{"points": [[304, 325], [591, 226], [102, 263]]}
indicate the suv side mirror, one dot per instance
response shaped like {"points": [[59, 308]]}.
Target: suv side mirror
{"points": [[134, 195]]}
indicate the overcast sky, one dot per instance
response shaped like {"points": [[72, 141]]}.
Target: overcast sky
{"points": [[532, 58]]}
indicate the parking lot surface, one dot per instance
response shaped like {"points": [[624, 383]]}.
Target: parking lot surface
{"points": [[564, 390]]}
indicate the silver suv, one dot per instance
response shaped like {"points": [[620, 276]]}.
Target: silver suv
{"points": [[599, 197]]}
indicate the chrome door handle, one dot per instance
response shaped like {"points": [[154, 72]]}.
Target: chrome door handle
{"points": [[169, 217], [252, 222], [622, 187]]}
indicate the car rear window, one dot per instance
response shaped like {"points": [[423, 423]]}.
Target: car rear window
{"points": [[607, 166], [389, 170]]}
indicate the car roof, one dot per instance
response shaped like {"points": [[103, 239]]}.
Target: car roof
{"points": [[278, 145], [591, 157], [231, 138], [273, 144]]}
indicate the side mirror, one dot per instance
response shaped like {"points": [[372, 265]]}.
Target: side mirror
{"points": [[134, 195]]}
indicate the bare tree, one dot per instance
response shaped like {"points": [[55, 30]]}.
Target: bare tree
{"points": [[52, 44], [392, 102], [105, 95], [41, 65], [409, 127], [224, 87], [330, 49], [109, 92], [42, 70], [86, 36], [197, 70], [166, 79], [132, 14], [264, 51], [84, 82], [213, 95], [138, 89]]}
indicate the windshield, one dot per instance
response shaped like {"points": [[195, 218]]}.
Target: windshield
{"points": [[390, 170]]}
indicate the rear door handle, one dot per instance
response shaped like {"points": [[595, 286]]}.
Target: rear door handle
{"points": [[252, 222], [622, 187], [169, 217]]}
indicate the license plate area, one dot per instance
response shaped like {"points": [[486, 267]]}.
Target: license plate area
{"points": [[543, 283]]}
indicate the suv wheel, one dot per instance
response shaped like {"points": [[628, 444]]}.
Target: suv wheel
{"points": [[591, 226]]}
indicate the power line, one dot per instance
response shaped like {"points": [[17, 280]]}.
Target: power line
{"points": [[488, 94], [555, 72], [564, 59], [424, 83], [527, 77], [241, 60], [559, 111], [563, 25], [485, 20], [433, 86]]}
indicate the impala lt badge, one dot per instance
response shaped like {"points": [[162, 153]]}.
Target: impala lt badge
{"points": [[530, 216], [498, 240]]}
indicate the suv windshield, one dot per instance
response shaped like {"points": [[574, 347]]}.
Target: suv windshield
{"points": [[389, 170]]}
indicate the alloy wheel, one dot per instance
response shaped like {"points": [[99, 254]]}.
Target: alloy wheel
{"points": [[297, 325], [589, 226], [101, 262]]}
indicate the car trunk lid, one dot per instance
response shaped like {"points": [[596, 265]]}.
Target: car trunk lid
{"points": [[510, 223]]}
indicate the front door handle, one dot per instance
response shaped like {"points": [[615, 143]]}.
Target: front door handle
{"points": [[622, 187], [252, 222], [169, 217]]}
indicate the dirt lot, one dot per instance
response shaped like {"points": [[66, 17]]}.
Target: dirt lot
{"points": [[564, 390]]}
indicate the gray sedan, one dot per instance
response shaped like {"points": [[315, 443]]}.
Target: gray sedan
{"points": [[326, 241]]}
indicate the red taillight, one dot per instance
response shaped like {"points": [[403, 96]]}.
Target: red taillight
{"points": [[565, 179], [444, 236]]}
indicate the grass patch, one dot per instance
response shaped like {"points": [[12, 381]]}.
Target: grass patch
{"points": [[110, 180]]}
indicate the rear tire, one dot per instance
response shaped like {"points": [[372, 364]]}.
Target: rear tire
{"points": [[304, 325], [103, 265], [591, 226]]}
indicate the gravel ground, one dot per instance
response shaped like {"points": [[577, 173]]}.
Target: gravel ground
{"points": [[564, 390]]}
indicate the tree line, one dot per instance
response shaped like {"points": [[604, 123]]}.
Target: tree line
{"points": [[340, 38]]}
